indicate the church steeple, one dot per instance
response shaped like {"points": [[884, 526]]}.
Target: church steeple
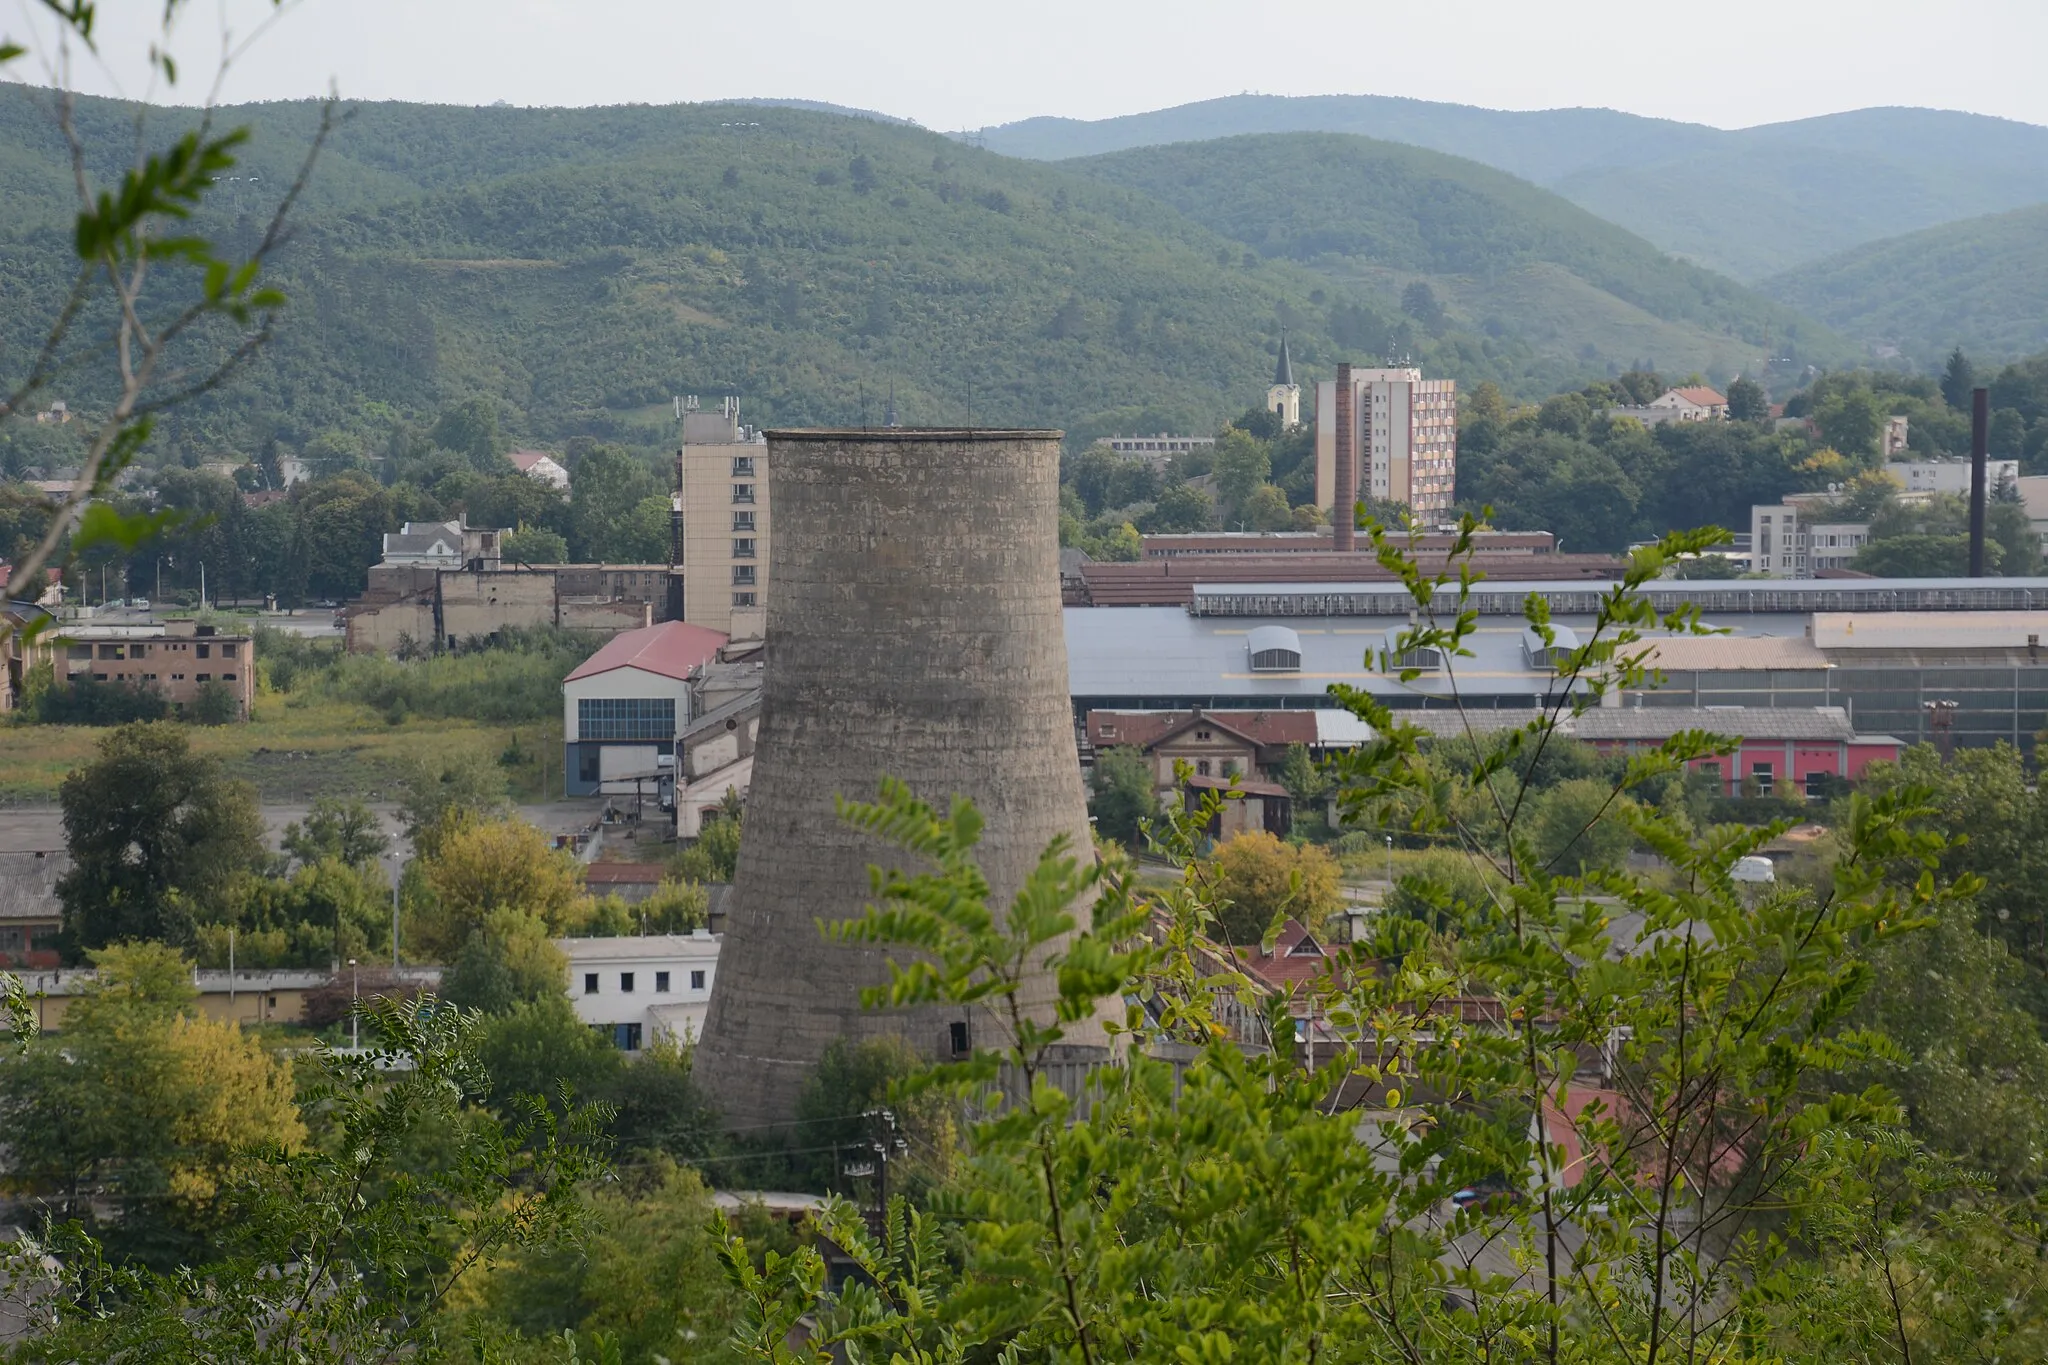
{"points": [[1284, 395], [1283, 373]]}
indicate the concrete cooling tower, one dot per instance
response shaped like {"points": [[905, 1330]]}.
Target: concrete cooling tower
{"points": [[914, 630]]}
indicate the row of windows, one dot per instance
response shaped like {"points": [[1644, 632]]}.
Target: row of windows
{"points": [[151, 677], [626, 717], [139, 649], [626, 982]]}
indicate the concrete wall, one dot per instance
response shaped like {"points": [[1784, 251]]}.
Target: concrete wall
{"points": [[481, 604], [915, 631]]}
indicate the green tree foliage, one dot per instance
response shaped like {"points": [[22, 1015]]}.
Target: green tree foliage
{"points": [[323, 914], [131, 1120], [1976, 276], [352, 1246], [470, 429], [541, 1048], [1931, 539], [1121, 795], [607, 490], [1988, 795], [153, 829], [438, 794], [715, 855], [534, 545], [1182, 508], [215, 703], [1958, 378], [642, 1284], [508, 960], [1580, 827], [1747, 401], [344, 829], [1603, 483], [1851, 420], [83, 701]]}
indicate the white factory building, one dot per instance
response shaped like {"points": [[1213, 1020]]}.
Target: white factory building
{"points": [[638, 989]]}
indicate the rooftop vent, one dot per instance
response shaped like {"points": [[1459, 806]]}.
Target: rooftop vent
{"points": [[1275, 649]]}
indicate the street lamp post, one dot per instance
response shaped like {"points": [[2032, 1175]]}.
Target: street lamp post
{"points": [[397, 876], [355, 1020], [1390, 867]]}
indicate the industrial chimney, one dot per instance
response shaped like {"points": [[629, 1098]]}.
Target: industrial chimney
{"points": [[1344, 515], [914, 631], [1980, 451]]}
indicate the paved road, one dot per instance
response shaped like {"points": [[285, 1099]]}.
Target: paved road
{"points": [[24, 829]]}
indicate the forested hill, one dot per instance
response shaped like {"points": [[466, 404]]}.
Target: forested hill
{"points": [[1499, 255], [1981, 284], [1749, 201], [579, 267]]}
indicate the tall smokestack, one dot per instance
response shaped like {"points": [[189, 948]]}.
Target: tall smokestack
{"points": [[1980, 451], [915, 630], [1344, 516]]}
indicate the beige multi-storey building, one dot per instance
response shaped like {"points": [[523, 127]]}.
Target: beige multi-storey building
{"points": [[721, 501], [174, 658], [1407, 440]]}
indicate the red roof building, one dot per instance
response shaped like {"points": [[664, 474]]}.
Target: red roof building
{"points": [[673, 649], [623, 707]]}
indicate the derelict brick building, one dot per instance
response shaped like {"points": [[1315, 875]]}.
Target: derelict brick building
{"points": [[915, 631]]}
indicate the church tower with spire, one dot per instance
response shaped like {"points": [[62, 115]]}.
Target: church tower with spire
{"points": [[1284, 396]]}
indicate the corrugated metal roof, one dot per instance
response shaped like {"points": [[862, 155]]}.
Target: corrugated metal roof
{"points": [[1742, 722], [1169, 654], [672, 649], [1707, 653], [1929, 629], [28, 884]]}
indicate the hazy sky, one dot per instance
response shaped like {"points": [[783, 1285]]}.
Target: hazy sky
{"points": [[953, 65]]}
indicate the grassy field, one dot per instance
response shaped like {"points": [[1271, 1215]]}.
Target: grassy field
{"points": [[298, 746]]}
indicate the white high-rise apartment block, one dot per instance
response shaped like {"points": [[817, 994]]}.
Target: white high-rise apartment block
{"points": [[1407, 440], [722, 471]]}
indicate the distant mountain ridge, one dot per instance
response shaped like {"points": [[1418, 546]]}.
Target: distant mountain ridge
{"points": [[1750, 202], [577, 268], [1981, 284], [1500, 255]]}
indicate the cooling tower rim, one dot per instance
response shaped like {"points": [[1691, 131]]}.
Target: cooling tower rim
{"points": [[899, 435]]}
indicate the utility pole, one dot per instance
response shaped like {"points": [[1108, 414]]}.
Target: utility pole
{"points": [[355, 1018], [885, 1143]]}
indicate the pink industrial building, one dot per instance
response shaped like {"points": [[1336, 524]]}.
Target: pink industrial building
{"points": [[1784, 751]]}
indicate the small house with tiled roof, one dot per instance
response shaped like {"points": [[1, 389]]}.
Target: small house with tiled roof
{"points": [[1694, 403], [541, 466]]}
